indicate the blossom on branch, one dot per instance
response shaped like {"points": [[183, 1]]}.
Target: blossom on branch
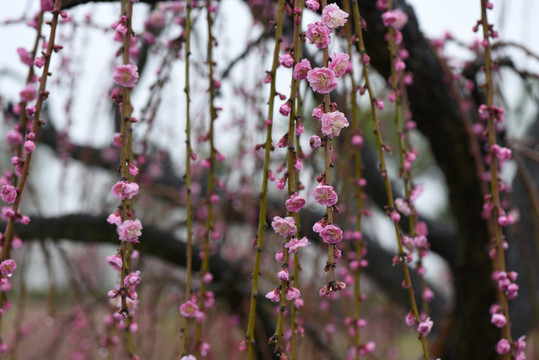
{"points": [[333, 17], [322, 80], [125, 75], [130, 230]]}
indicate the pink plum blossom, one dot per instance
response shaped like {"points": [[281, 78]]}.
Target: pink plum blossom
{"points": [[283, 274], [7, 213], [318, 112], [125, 75], [132, 280], [9, 194], [47, 5], [294, 244], [333, 17], [325, 195], [5, 286], [333, 122], [25, 56], [331, 234], [115, 261], [399, 65], [318, 34], [498, 320], [285, 227], [115, 219], [322, 80], [503, 346], [280, 183], [28, 93], [130, 230], [299, 127], [285, 109], [409, 319], [7, 267], [402, 206], [295, 203], [292, 293], [125, 190], [301, 69], [427, 294], [339, 63], [189, 309], [39, 62], [357, 140], [315, 142], [395, 18], [313, 5], [286, 60], [30, 110], [29, 146], [14, 137], [207, 278], [273, 295], [24, 219], [425, 326]]}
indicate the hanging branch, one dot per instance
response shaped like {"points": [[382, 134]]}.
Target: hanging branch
{"points": [[249, 341], [188, 206], [506, 288], [390, 210], [13, 195]]}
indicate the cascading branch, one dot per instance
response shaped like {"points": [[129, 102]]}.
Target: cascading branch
{"points": [[416, 240], [323, 80], [23, 138], [128, 226], [423, 325], [493, 210]]}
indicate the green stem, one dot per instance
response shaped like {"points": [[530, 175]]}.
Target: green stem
{"points": [[42, 96], [249, 337], [499, 260], [359, 194], [326, 142], [385, 176], [211, 176], [295, 114], [188, 152], [127, 209]]}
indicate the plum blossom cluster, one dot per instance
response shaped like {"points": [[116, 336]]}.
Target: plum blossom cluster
{"points": [[128, 227], [323, 80], [516, 348], [286, 227], [190, 308]]}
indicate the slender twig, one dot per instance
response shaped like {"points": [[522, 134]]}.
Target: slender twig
{"points": [[36, 123], [249, 337], [499, 260], [211, 176], [188, 153], [384, 173]]}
